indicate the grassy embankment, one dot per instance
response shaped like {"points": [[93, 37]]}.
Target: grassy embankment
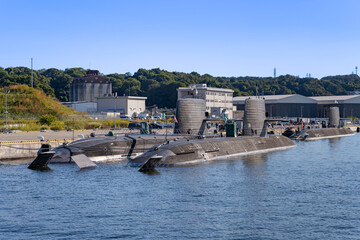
{"points": [[26, 106]]}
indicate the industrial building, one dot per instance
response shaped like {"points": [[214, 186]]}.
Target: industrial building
{"points": [[89, 87], [93, 94], [130, 106], [349, 105], [218, 100], [279, 106]]}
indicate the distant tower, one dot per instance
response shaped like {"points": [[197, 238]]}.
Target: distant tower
{"points": [[89, 87], [356, 70], [274, 72]]}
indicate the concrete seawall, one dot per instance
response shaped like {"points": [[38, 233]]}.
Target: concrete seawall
{"points": [[22, 145], [14, 150]]}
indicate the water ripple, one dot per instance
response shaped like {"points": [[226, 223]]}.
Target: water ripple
{"points": [[308, 192]]}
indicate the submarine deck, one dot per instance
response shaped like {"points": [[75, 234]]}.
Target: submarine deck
{"points": [[196, 151]]}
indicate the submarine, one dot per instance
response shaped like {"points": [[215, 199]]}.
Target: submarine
{"points": [[86, 152], [254, 139], [333, 131], [187, 145], [111, 148], [198, 151]]}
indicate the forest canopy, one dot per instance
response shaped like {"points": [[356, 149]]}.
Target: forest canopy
{"points": [[159, 86]]}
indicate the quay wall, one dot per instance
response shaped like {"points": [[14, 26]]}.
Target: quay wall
{"points": [[14, 150]]}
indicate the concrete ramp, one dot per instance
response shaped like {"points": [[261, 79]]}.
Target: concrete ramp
{"points": [[150, 164], [41, 161], [83, 161]]}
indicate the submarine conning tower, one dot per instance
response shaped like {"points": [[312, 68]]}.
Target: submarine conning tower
{"points": [[254, 117], [190, 114], [334, 117]]}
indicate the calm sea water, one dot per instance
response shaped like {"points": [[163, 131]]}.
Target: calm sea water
{"points": [[311, 191]]}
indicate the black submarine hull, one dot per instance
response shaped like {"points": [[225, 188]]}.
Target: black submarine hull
{"points": [[111, 148], [323, 133], [197, 151]]}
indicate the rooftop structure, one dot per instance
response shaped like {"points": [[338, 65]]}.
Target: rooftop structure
{"points": [[218, 100]]}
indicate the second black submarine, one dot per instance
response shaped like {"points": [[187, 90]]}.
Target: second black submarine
{"points": [[191, 117]]}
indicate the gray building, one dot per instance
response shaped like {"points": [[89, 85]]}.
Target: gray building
{"points": [[218, 100], [349, 105], [278, 106], [89, 87]]}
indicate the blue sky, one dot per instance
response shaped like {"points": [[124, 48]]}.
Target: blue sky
{"points": [[221, 38]]}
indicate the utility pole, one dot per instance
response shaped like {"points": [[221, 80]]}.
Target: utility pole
{"points": [[115, 97], [32, 76], [73, 130], [6, 111], [165, 128]]}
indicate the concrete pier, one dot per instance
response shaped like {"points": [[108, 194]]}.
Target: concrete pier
{"points": [[20, 145], [15, 150]]}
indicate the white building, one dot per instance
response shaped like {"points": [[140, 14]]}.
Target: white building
{"points": [[218, 100], [126, 105]]}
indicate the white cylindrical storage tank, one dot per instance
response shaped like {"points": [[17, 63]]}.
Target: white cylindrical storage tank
{"points": [[334, 117], [254, 117], [190, 113]]}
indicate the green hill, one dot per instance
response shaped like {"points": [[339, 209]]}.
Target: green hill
{"points": [[159, 86], [24, 101]]}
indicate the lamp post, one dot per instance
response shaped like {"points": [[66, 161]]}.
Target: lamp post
{"points": [[6, 112], [115, 98]]}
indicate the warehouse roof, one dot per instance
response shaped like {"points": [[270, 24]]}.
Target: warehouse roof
{"points": [[337, 99], [290, 98]]}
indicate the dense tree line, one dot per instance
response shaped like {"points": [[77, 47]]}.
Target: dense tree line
{"points": [[160, 85]]}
